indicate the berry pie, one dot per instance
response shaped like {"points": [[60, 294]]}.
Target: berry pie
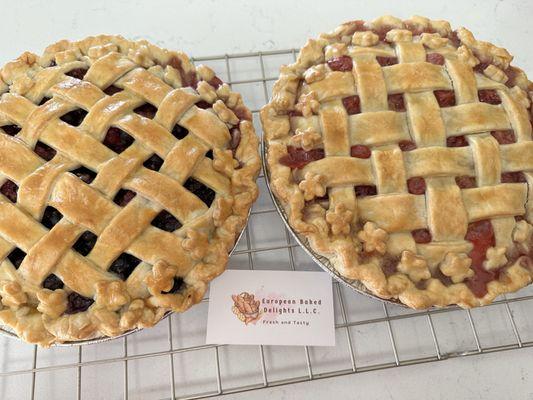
{"points": [[126, 175], [402, 151]]}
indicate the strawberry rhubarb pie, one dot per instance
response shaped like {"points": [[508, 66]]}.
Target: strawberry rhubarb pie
{"points": [[402, 151]]}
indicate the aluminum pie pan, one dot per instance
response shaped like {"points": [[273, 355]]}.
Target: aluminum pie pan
{"points": [[8, 332], [322, 261]]}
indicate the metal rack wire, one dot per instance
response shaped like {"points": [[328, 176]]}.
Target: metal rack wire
{"points": [[370, 335]]}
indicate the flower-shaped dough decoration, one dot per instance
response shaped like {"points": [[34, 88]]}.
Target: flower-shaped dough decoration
{"points": [[308, 104], [162, 278], [307, 138], [112, 294], [457, 267], [196, 243], [339, 219], [12, 294], [365, 39], [52, 302], [495, 258], [315, 73], [373, 238], [313, 186], [414, 266], [224, 162]]}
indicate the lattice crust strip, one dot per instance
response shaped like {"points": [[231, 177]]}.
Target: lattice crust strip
{"points": [[126, 175], [403, 151]]}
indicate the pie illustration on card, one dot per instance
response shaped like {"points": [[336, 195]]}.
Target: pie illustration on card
{"points": [[402, 152], [246, 308]]}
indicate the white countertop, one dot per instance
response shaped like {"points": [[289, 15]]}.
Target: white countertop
{"points": [[216, 27]]}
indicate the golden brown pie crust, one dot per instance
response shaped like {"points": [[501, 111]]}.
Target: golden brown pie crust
{"points": [[109, 78], [417, 118]]}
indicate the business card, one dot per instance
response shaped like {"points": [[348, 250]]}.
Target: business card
{"points": [[271, 308]]}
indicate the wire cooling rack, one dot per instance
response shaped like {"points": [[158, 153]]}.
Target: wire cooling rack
{"points": [[172, 361]]}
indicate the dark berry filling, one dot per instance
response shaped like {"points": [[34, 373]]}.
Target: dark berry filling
{"points": [[77, 73], [435, 58], [52, 282], [216, 82], [382, 32], [111, 90], [205, 194], [445, 98], [10, 189], [504, 137], [416, 185], [16, 257], [466, 182], [209, 154], [11, 130], [513, 177], [235, 138], [124, 265], [179, 132], [187, 78], [389, 265], [352, 104], [166, 221], [44, 151], [489, 96], [44, 100], [75, 117], [445, 280], [360, 151], [406, 145], [123, 197], [512, 73], [85, 243], [146, 110], [51, 217], [204, 105], [456, 42], [294, 113], [297, 157], [386, 61], [77, 303], [242, 113], [356, 26], [178, 284], [154, 162], [481, 67], [365, 190], [117, 140], [417, 30], [396, 102], [342, 63], [481, 235], [421, 235], [456, 141], [85, 174]]}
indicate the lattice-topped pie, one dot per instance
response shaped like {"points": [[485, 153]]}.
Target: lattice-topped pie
{"points": [[402, 150], [126, 175]]}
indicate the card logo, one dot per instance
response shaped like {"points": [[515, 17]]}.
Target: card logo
{"points": [[246, 308], [271, 308]]}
